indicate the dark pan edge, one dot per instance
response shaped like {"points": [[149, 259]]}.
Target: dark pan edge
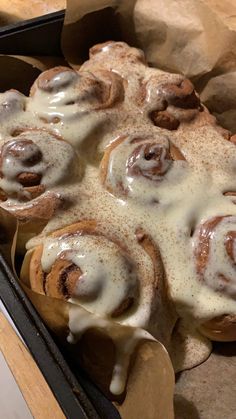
{"points": [[68, 392], [35, 37], [31, 23]]}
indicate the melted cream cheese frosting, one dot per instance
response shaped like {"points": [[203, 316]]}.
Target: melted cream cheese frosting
{"points": [[91, 111]]}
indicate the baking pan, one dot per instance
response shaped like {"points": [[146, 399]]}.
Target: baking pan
{"points": [[38, 36], [75, 393]]}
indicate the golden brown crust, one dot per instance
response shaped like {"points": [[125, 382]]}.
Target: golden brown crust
{"points": [[164, 119], [36, 275], [169, 103], [233, 139], [106, 157], [3, 196], [112, 89], [41, 208], [222, 328], [202, 249], [61, 280], [181, 95], [152, 250]]}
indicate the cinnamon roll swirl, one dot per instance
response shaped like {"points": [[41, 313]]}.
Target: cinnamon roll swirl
{"points": [[80, 264], [142, 161], [214, 244], [33, 165], [74, 93], [87, 266], [169, 102]]}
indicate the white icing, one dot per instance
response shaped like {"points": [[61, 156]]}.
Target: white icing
{"points": [[11, 102], [108, 276], [73, 110], [54, 164], [125, 340], [145, 187]]}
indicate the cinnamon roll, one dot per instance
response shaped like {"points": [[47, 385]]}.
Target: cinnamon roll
{"points": [[215, 255], [74, 93], [34, 166], [111, 51], [169, 102], [110, 294], [11, 102], [12, 109], [87, 266], [80, 264], [138, 162]]}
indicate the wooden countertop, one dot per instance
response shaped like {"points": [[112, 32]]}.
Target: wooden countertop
{"points": [[24, 392]]}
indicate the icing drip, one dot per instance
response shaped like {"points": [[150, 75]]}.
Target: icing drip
{"points": [[107, 277], [125, 340]]}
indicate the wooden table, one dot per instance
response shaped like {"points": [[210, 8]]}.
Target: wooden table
{"points": [[24, 392]]}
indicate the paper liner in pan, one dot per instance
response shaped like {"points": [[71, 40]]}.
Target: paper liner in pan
{"points": [[195, 38], [150, 382], [8, 235]]}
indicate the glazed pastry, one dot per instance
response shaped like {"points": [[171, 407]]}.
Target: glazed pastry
{"points": [[132, 163], [86, 90], [87, 268], [107, 288], [80, 98], [167, 103], [214, 250], [31, 168], [84, 265], [12, 106]]}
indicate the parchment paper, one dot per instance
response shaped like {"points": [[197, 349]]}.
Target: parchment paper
{"points": [[208, 391], [150, 386], [12, 11], [8, 229]]}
